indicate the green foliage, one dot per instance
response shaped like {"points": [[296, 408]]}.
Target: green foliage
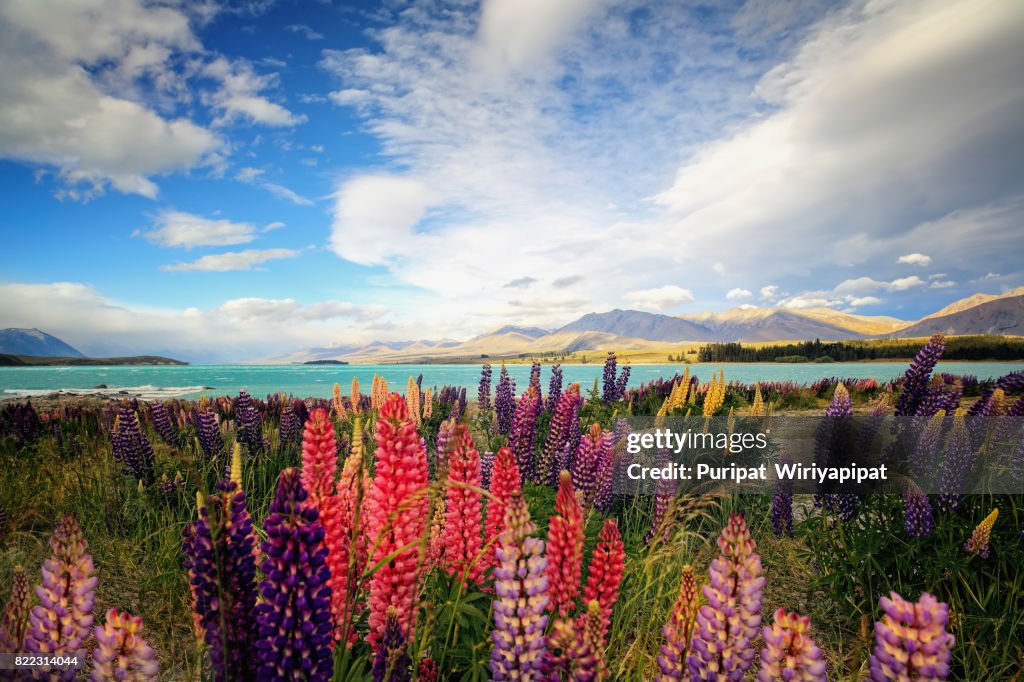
{"points": [[981, 347]]}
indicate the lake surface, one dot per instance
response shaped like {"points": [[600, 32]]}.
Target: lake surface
{"points": [[318, 381]]}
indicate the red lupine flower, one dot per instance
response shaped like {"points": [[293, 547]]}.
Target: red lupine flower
{"points": [[396, 510], [606, 567], [463, 521], [504, 482], [344, 527], [565, 548], [319, 457]]}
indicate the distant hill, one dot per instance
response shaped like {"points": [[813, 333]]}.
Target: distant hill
{"points": [[653, 332], [998, 316], [638, 324], [9, 360], [15, 341]]}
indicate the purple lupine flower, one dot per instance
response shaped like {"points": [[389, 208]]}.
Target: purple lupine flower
{"points": [[209, 436], [664, 494], [391, 662], [523, 436], [722, 646], [940, 395], [483, 396], [1010, 383], [535, 383], [554, 388], [833, 435], [504, 402], [131, 447], [521, 591], [291, 429], [218, 550], [445, 443], [608, 379], [301, 411], [911, 642], [918, 521], [918, 375], [575, 435], [790, 653], [162, 425], [957, 465], [585, 465], [622, 382], [62, 621], [486, 468], [563, 420], [606, 464], [295, 616], [782, 504], [249, 423]]}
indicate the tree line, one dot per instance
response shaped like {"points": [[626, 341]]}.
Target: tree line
{"points": [[988, 347]]}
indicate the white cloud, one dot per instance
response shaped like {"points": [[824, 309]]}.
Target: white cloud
{"points": [[100, 325], [942, 284], [239, 95], [864, 300], [256, 176], [375, 217], [769, 292], [306, 31], [718, 268], [668, 296], [177, 228], [915, 259], [276, 225], [233, 260], [67, 75], [738, 294], [904, 283]]}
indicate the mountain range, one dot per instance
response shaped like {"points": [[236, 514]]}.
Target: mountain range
{"points": [[638, 330]]}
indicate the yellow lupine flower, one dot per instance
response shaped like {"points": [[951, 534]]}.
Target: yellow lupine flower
{"points": [[236, 465]]}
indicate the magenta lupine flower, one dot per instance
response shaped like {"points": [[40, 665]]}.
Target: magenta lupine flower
{"points": [[131, 447], [919, 374], [722, 646], [535, 383], [664, 493], [622, 382], [562, 422], [789, 653], [209, 436], [523, 436], [391, 662], [554, 388], [218, 550], [504, 402], [443, 450], [483, 396], [608, 379], [782, 505], [163, 426], [486, 467], [521, 589], [911, 642], [291, 430], [295, 628], [61, 622], [585, 465], [678, 630]]}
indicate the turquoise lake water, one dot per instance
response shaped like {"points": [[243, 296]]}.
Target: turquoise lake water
{"points": [[318, 381]]}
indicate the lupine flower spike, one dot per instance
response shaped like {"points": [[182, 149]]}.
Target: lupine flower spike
{"points": [[911, 642], [397, 510], [61, 622], [354, 398], [412, 399], [505, 482], [319, 457], [121, 652], [14, 621], [978, 544], [521, 588], [462, 539], [679, 630], [340, 413], [565, 548], [789, 654], [295, 614], [391, 662], [606, 567], [722, 647]]}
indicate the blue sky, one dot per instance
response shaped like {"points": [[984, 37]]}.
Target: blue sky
{"points": [[240, 179]]}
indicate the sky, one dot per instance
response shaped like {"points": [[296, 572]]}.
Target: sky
{"points": [[235, 179]]}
